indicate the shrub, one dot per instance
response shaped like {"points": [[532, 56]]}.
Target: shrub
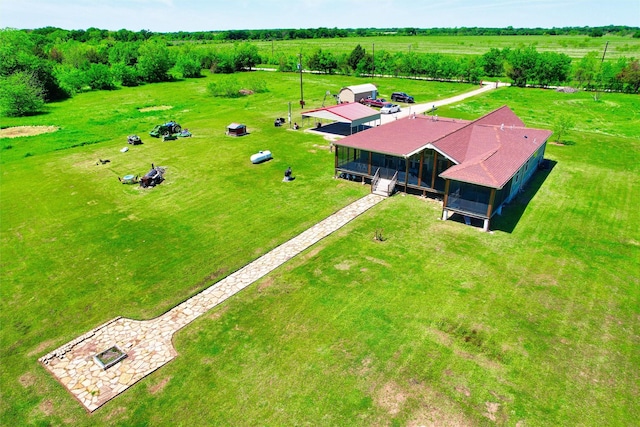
{"points": [[99, 77], [189, 65], [21, 94], [154, 62], [125, 75], [72, 80], [257, 85], [226, 88]]}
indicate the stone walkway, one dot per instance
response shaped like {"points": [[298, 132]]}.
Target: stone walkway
{"points": [[148, 344]]}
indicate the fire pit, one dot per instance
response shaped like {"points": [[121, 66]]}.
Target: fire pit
{"points": [[109, 357]]}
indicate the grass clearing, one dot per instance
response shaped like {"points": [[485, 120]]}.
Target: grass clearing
{"points": [[575, 46], [537, 322]]}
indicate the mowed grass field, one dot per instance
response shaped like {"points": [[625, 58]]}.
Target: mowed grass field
{"points": [[575, 46], [536, 323]]}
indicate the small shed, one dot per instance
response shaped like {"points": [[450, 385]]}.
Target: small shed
{"points": [[358, 92], [236, 129]]}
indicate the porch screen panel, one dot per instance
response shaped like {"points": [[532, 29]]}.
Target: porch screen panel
{"points": [[442, 165], [343, 155], [352, 159], [377, 161], [427, 169], [470, 198], [414, 169], [393, 164]]}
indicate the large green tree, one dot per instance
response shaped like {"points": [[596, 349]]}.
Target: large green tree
{"points": [[585, 72], [100, 77], [189, 62], [493, 62], [354, 58], [322, 61], [19, 53], [154, 61], [630, 76], [521, 65], [246, 56], [124, 52], [552, 68], [21, 94], [125, 75]]}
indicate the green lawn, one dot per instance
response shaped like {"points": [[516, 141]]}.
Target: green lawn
{"points": [[537, 321]]}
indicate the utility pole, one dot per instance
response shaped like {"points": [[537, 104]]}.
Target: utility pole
{"points": [[301, 93], [373, 54], [597, 97]]}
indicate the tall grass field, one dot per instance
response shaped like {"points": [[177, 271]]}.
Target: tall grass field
{"points": [[575, 46], [535, 323]]}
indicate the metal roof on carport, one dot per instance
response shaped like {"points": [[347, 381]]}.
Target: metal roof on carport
{"points": [[354, 113]]}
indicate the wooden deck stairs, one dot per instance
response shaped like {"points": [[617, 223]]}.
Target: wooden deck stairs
{"points": [[382, 186]]}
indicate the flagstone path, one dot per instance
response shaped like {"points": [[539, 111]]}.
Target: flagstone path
{"points": [[148, 343]]}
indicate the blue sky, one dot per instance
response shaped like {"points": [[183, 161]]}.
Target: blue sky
{"points": [[203, 15]]}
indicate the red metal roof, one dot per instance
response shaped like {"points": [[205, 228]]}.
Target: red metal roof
{"points": [[487, 151], [347, 112], [404, 136]]}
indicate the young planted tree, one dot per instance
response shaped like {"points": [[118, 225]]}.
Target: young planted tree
{"points": [[561, 126]]}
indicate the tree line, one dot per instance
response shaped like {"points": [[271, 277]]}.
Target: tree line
{"points": [[96, 34], [36, 68]]}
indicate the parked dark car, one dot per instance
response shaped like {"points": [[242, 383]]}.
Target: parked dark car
{"points": [[402, 97]]}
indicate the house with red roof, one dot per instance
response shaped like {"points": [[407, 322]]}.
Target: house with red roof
{"points": [[476, 166]]}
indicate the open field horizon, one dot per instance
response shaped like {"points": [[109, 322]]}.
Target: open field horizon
{"points": [[575, 47]]}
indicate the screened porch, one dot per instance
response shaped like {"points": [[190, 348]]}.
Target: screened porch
{"points": [[419, 171]]}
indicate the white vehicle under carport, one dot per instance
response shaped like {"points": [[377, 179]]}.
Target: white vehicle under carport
{"points": [[261, 156]]}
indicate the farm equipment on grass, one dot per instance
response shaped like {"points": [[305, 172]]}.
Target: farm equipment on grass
{"points": [[152, 178], [166, 129]]}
